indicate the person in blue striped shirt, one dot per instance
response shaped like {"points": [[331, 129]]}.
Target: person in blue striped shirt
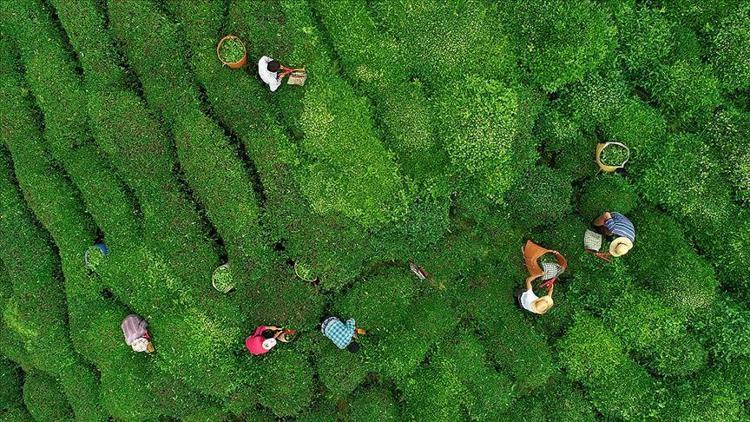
{"points": [[621, 228]]}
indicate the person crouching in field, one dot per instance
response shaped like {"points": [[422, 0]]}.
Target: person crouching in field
{"points": [[272, 73], [264, 339], [136, 334], [342, 334], [614, 224], [548, 272]]}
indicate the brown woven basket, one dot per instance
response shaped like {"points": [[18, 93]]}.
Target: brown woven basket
{"points": [[236, 65]]}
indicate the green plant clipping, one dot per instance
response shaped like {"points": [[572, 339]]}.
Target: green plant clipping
{"points": [[232, 50], [303, 271]]}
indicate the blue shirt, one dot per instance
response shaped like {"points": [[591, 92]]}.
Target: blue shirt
{"points": [[340, 334], [620, 226]]}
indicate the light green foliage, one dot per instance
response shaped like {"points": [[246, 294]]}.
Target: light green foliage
{"points": [[285, 383], [730, 51], [559, 42], [594, 357], [485, 126]]}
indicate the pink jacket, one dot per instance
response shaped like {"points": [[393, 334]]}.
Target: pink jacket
{"points": [[254, 343]]}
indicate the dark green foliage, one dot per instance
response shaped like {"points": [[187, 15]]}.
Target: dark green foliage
{"points": [[44, 398], [606, 193], [373, 404], [10, 384], [544, 195], [285, 383]]}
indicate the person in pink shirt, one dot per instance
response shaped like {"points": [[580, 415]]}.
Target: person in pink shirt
{"points": [[264, 339]]}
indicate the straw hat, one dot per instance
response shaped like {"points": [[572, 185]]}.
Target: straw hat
{"points": [[269, 344], [542, 305], [620, 246]]}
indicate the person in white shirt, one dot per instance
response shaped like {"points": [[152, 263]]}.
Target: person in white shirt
{"points": [[268, 70], [533, 303]]}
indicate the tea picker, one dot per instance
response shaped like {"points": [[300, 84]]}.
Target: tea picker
{"points": [[265, 338], [343, 335], [610, 225], [272, 73], [134, 328], [553, 264]]}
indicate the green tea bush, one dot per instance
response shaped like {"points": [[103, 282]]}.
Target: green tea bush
{"points": [[595, 99], [708, 397], [544, 195], [512, 343], [594, 357], [285, 384], [442, 42], [368, 57], [375, 403], [686, 90], [221, 184], [558, 42], [730, 54], [725, 132], [487, 392], [645, 38], [485, 128], [565, 146], [606, 193], [10, 384], [653, 329], [667, 263], [431, 394], [397, 353], [44, 398]]}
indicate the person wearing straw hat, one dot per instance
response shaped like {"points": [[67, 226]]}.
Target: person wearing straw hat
{"points": [[136, 334], [547, 272], [264, 339], [529, 301], [614, 224]]}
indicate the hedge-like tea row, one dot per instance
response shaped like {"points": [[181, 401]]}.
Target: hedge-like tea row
{"points": [[222, 185], [94, 321]]}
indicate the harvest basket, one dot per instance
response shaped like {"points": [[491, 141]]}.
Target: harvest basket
{"points": [[608, 167], [224, 42], [303, 272], [221, 279], [94, 255]]}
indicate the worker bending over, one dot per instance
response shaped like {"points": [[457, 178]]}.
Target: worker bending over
{"points": [[264, 339], [273, 73], [620, 228], [342, 334], [136, 334]]}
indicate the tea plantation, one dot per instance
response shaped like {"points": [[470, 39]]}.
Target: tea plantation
{"points": [[443, 133]]}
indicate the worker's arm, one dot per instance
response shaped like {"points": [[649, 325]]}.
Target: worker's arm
{"points": [[602, 219], [551, 289], [529, 279]]}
